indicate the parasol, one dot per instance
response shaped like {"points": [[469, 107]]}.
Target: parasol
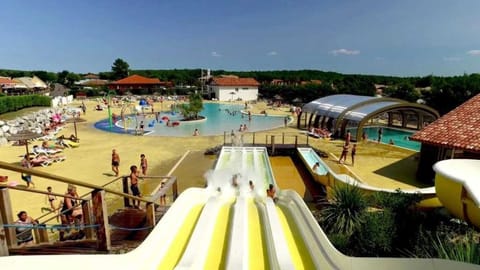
{"points": [[75, 120], [24, 136]]}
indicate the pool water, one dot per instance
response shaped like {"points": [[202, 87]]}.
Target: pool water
{"points": [[399, 137], [220, 118]]}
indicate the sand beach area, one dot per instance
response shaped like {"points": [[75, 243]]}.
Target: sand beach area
{"points": [[91, 161]]}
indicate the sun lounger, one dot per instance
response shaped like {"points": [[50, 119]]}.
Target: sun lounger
{"points": [[70, 144], [43, 151], [40, 162]]}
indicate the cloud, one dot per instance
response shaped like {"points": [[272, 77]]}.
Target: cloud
{"points": [[474, 52], [272, 53], [215, 54], [452, 59], [344, 52]]}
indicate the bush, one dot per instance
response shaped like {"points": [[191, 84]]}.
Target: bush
{"points": [[344, 213], [15, 103], [376, 235]]}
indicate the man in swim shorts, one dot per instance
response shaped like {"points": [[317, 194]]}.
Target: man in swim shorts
{"points": [[115, 162]]}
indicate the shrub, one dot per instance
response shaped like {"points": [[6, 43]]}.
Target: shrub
{"points": [[344, 213], [15, 103], [376, 235]]}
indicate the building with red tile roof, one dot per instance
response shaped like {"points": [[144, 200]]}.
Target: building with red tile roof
{"points": [[6, 83], [136, 83], [454, 135], [233, 88]]}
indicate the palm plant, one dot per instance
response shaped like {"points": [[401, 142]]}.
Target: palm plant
{"points": [[345, 211]]}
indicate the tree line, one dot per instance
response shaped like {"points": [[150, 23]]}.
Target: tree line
{"points": [[301, 86]]}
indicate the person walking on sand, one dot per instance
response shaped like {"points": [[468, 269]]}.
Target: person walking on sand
{"points": [[27, 177], [134, 185], [353, 153], [343, 157], [115, 162], [143, 164], [51, 199]]}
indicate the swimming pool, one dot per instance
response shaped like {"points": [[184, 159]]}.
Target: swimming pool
{"points": [[398, 136], [219, 118]]}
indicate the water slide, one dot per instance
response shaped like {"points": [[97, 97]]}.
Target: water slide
{"points": [[225, 227], [458, 188], [324, 175]]}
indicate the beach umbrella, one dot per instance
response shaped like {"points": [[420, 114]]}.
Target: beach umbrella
{"points": [[24, 136], [75, 120]]}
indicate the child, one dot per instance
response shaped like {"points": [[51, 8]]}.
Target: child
{"points": [[51, 199], [143, 164]]}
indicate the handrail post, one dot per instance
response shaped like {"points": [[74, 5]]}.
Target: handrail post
{"points": [[224, 138], [3, 240], [7, 214], [308, 139], [283, 137], [41, 234], [253, 138], [296, 141], [101, 217], [273, 144], [175, 190], [126, 201], [150, 215], [87, 219]]}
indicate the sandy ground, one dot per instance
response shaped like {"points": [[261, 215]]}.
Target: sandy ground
{"points": [[91, 161]]}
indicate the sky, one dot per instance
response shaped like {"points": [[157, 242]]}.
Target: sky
{"points": [[398, 38]]}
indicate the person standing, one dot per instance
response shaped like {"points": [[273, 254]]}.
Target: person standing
{"points": [[84, 108], [134, 185], [27, 177], [354, 152], [285, 121], [380, 133], [348, 137], [143, 164], [115, 162], [24, 229], [343, 157]]}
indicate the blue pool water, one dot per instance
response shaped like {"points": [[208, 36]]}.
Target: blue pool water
{"points": [[220, 118], [399, 136]]}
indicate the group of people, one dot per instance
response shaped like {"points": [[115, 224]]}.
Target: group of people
{"points": [[320, 132], [69, 210], [345, 150], [134, 174]]}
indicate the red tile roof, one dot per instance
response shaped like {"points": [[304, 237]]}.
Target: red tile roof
{"points": [[458, 129], [137, 79], [229, 81], [6, 80]]}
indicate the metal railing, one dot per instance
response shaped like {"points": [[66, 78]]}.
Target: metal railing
{"points": [[95, 223]]}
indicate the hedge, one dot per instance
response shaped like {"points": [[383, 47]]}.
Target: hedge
{"points": [[15, 103]]}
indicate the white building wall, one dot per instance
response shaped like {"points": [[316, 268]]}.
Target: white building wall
{"points": [[245, 93]]}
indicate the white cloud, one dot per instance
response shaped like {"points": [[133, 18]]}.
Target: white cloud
{"points": [[272, 53], [215, 54], [452, 59], [344, 52], [474, 52]]}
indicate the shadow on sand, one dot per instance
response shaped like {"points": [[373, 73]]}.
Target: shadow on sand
{"points": [[403, 171]]}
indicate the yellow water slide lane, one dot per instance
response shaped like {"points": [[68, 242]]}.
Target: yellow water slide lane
{"points": [[298, 250], [217, 252], [257, 253], [178, 246]]}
